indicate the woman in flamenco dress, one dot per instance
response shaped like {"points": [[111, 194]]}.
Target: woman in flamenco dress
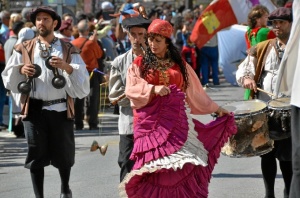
{"points": [[174, 154]]}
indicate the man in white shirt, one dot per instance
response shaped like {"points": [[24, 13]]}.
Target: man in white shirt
{"points": [[47, 120], [260, 69]]}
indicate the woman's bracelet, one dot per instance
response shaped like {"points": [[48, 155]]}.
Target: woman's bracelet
{"points": [[219, 110], [216, 113]]}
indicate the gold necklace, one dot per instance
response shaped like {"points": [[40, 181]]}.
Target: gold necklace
{"points": [[162, 67]]}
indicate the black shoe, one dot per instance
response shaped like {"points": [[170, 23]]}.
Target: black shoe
{"points": [[66, 195]]}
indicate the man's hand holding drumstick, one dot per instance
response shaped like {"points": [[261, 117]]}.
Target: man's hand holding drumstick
{"points": [[250, 84]]}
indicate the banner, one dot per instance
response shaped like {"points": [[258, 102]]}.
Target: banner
{"points": [[220, 14]]}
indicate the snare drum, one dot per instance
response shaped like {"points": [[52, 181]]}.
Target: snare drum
{"points": [[279, 118], [252, 138]]}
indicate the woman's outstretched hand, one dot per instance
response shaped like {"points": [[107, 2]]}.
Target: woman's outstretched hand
{"points": [[161, 90]]}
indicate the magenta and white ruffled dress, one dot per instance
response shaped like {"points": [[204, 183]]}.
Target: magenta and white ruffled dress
{"points": [[174, 154]]}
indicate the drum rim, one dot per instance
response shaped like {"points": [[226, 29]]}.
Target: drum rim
{"points": [[288, 107], [264, 110], [279, 108]]}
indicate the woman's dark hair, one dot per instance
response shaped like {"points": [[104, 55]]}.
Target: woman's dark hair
{"points": [[150, 61], [255, 13]]}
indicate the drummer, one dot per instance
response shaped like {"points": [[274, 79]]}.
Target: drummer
{"points": [[260, 69]]}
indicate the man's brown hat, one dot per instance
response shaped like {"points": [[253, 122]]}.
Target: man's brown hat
{"points": [[48, 10]]}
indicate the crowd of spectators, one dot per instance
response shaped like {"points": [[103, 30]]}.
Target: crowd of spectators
{"points": [[113, 41]]}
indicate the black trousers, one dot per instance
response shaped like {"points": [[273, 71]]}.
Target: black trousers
{"points": [[93, 99], [92, 102], [295, 186], [50, 138], [125, 149], [282, 152], [79, 112]]}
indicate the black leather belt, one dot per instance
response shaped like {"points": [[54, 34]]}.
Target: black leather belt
{"points": [[52, 102]]}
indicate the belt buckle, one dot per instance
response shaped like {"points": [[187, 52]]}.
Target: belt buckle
{"points": [[48, 103]]}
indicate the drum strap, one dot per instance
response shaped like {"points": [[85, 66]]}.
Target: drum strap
{"points": [[271, 44], [261, 51]]}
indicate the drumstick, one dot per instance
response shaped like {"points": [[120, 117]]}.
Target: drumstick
{"points": [[259, 89]]}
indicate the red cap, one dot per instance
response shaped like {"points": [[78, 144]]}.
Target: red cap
{"points": [[161, 27]]}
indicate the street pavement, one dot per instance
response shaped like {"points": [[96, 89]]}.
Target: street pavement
{"points": [[97, 176]]}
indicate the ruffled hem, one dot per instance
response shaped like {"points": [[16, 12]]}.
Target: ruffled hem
{"points": [[192, 151], [162, 134], [176, 161], [191, 180], [189, 186]]}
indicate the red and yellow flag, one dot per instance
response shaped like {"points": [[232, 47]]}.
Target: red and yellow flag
{"points": [[221, 14], [215, 17]]}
